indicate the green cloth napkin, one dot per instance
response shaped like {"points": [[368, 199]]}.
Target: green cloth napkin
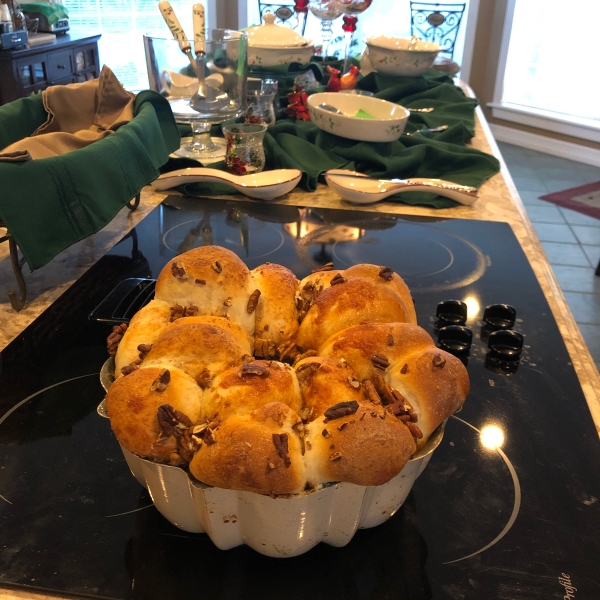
{"points": [[50, 203], [293, 144], [52, 12]]}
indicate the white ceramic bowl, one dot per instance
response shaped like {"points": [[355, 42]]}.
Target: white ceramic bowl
{"points": [[273, 526], [272, 57], [387, 124], [392, 57]]}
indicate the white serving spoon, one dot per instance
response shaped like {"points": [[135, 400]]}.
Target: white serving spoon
{"points": [[265, 185], [361, 189]]}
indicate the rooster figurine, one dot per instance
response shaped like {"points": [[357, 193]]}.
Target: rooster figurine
{"points": [[348, 81], [334, 84]]}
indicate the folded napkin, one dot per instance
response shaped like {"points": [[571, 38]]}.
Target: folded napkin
{"points": [[444, 155], [50, 203], [78, 114]]}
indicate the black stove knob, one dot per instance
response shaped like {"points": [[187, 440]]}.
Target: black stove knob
{"points": [[505, 344], [451, 312], [499, 316], [455, 339]]}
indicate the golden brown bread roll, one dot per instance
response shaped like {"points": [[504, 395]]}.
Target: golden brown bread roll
{"points": [[366, 447], [145, 326], [351, 302], [276, 312], [212, 279], [132, 404], [199, 349], [385, 276], [319, 280], [359, 344], [243, 389], [434, 382], [257, 452]]}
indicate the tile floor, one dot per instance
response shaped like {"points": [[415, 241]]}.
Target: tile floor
{"points": [[571, 239]]}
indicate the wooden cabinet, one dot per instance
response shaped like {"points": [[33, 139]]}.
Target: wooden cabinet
{"points": [[26, 71]]}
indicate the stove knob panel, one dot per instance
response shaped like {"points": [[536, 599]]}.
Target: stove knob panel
{"points": [[451, 312], [455, 339], [505, 344], [499, 316]]}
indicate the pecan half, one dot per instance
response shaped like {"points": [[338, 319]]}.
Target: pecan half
{"points": [[129, 369], [143, 349], [380, 361], [326, 267], [341, 409], [386, 273], [161, 382], [252, 301], [287, 350], [264, 348], [171, 420], [254, 369], [307, 354], [112, 341], [414, 430], [306, 371], [370, 392], [178, 271], [216, 266]]}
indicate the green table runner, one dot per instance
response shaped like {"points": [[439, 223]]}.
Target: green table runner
{"points": [[444, 155], [50, 203]]}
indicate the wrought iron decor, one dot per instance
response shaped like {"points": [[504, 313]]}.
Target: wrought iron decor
{"points": [[438, 23], [285, 13]]}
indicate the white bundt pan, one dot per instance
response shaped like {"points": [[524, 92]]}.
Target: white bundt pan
{"points": [[274, 526]]}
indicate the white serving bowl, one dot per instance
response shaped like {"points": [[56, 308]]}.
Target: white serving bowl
{"points": [[272, 57], [387, 124], [392, 57]]}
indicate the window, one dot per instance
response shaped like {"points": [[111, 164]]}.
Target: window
{"points": [[544, 76]]}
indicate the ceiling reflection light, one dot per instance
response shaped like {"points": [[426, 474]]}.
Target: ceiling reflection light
{"points": [[473, 306], [492, 437]]}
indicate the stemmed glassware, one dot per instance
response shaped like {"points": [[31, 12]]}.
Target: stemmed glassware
{"points": [[326, 11], [350, 8]]}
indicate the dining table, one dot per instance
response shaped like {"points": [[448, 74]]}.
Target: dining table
{"points": [[499, 203]]}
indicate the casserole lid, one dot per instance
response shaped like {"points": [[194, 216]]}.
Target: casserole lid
{"points": [[271, 35]]}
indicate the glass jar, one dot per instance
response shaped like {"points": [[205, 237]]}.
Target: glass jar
{"points": [[245, 152]]}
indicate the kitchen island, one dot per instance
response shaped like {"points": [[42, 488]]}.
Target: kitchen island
{"points": [[499, 202]]}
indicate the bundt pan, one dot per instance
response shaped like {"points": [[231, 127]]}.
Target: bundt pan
{"points": [[280, 526]]}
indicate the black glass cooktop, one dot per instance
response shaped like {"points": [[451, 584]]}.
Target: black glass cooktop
{"points": [[508, 507]]}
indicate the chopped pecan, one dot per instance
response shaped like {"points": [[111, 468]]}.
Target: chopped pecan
{"points": [[370, 392], [335, 456], [404, 369], [209, 437], [354, 383], [177, 311], [190, 311], [252, 301], [342, 426], [414, 430], [380, 361], [112, 342], [287, 350], [200, 281], [228, 301], [439, 361], [266, 328], [254, 369], [390, 339], [143, 349], [264, 348], [326, 267], [161, 382], [171, 420], [386, 273], [305, 413], [308, 445], [281, 445], [178, 271], [325, 433], [307, 354], [129, 369], [341, 409], [185, 446], [337, 279], [203, 379], [217, 266]]}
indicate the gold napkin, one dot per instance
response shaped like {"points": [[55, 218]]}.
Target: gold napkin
{"points": [[78, 115]]}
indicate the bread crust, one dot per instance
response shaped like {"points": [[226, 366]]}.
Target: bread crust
{"points": [[132, 407]]}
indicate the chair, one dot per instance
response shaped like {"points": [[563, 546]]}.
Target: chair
{"points": [[438, 23], [285, 13]]}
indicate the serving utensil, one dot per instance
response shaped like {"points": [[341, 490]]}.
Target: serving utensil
{"points": [[428, 130], [361, 189], [265, 185]]}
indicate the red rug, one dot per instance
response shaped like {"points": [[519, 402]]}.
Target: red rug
{"points": [[584, 199]]}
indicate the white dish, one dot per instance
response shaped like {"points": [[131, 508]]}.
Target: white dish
{"points": [[387, 124], [265, 185], [401, 57], [359, 188]]}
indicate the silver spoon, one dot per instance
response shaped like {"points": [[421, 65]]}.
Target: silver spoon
{"points": [[429, 130]]}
